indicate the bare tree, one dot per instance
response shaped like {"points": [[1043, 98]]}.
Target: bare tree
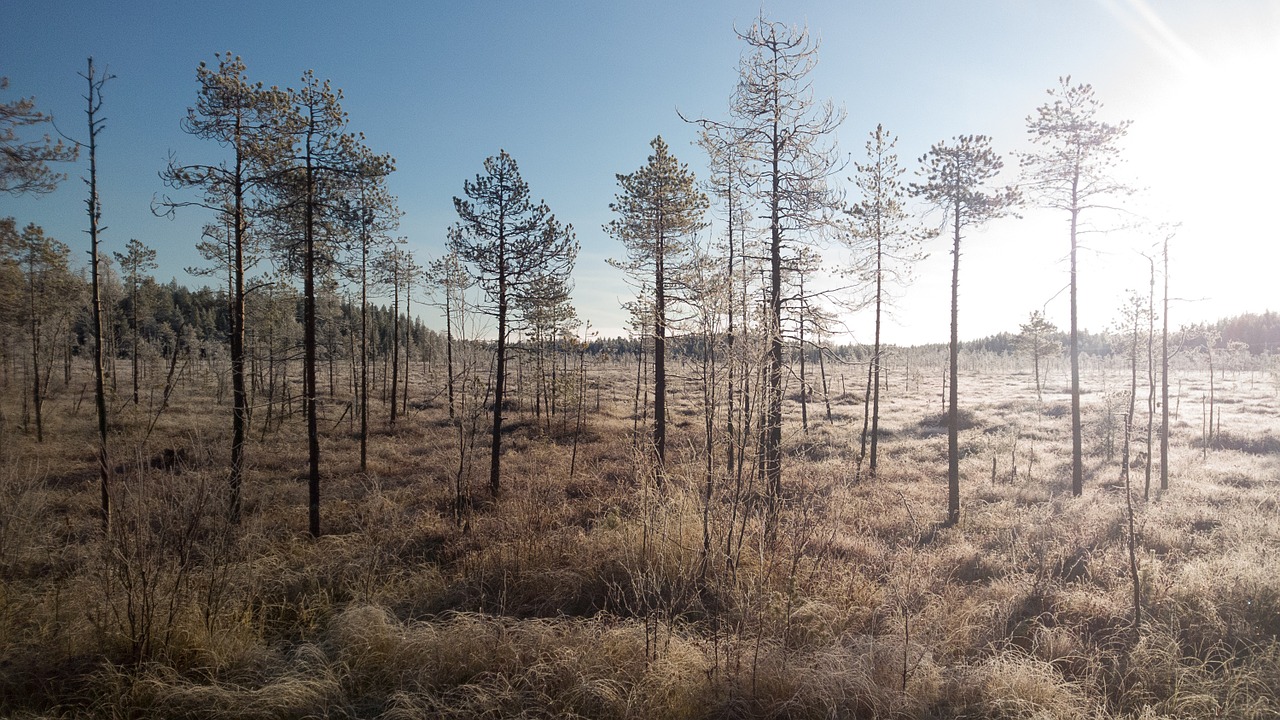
{"points": [[93, 102], [788, 141], [451, 281], [727, 182]]}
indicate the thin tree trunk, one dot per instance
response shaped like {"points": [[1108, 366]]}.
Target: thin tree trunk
{"points": [[804, 385], [37, 397], [731, 458], [94, 99], [826, 391], [953, 416], [133, 302], [1151, 377], [239, 396], [309, 356], [408, 344], [772, 455], [364, 351], [1133, 399], [448, 347], [1132, 537], [866, 416], [500, 374], [659, 364], [875, 361], [1164, 378], [1077, 432], [395, 338]]}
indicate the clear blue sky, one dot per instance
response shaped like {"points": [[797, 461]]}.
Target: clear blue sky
{"points": [[575, 91]]}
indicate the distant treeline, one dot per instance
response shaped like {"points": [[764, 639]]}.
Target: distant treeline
{"points": [[169, 309], [201, 317], [1260, 332]]}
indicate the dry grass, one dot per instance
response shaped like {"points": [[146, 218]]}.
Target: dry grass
{"points": [[591, 596]]}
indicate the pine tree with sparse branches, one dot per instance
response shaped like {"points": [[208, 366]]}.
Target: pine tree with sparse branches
{"points": [[1072, 171], [955, 178], [886, 242]]}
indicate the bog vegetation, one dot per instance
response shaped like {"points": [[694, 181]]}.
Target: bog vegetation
{"points": [[285, 497]]}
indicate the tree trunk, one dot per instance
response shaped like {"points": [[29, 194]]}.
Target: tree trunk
{"points": [[395, 339], [804, 386], [659, 365], [95, 215], [772, 464], [448, 347], [500, 374], [133, 302], [364, 352], [1077, 433], [1151, 377], [875, 361], [239, 396], [1164, 378], [953, 416], [309, 357]]}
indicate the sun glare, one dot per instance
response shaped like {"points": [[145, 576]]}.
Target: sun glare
{"points": [[1214, 128], [1205, 147]]}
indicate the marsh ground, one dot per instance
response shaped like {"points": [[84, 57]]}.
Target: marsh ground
{"points": [[589, 594]]}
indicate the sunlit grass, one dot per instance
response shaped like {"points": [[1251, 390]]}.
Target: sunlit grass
{"points": [[592, 596]]}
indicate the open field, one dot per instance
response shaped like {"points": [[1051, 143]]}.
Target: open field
{"points": [[586, 592]]}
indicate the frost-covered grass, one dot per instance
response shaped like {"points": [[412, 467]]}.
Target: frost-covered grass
{"points": [[592, 596]]}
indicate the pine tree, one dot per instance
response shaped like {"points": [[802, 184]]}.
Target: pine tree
{"points": [[1036, 337], [135, 262], [510, 243], [324, 159], [24, 165], [659, 211], [884, 239], [1072, 172], [954, 180], [250, 120], [41, 265]]}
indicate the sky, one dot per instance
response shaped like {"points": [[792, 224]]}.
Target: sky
{"points": [[575, 91]]}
